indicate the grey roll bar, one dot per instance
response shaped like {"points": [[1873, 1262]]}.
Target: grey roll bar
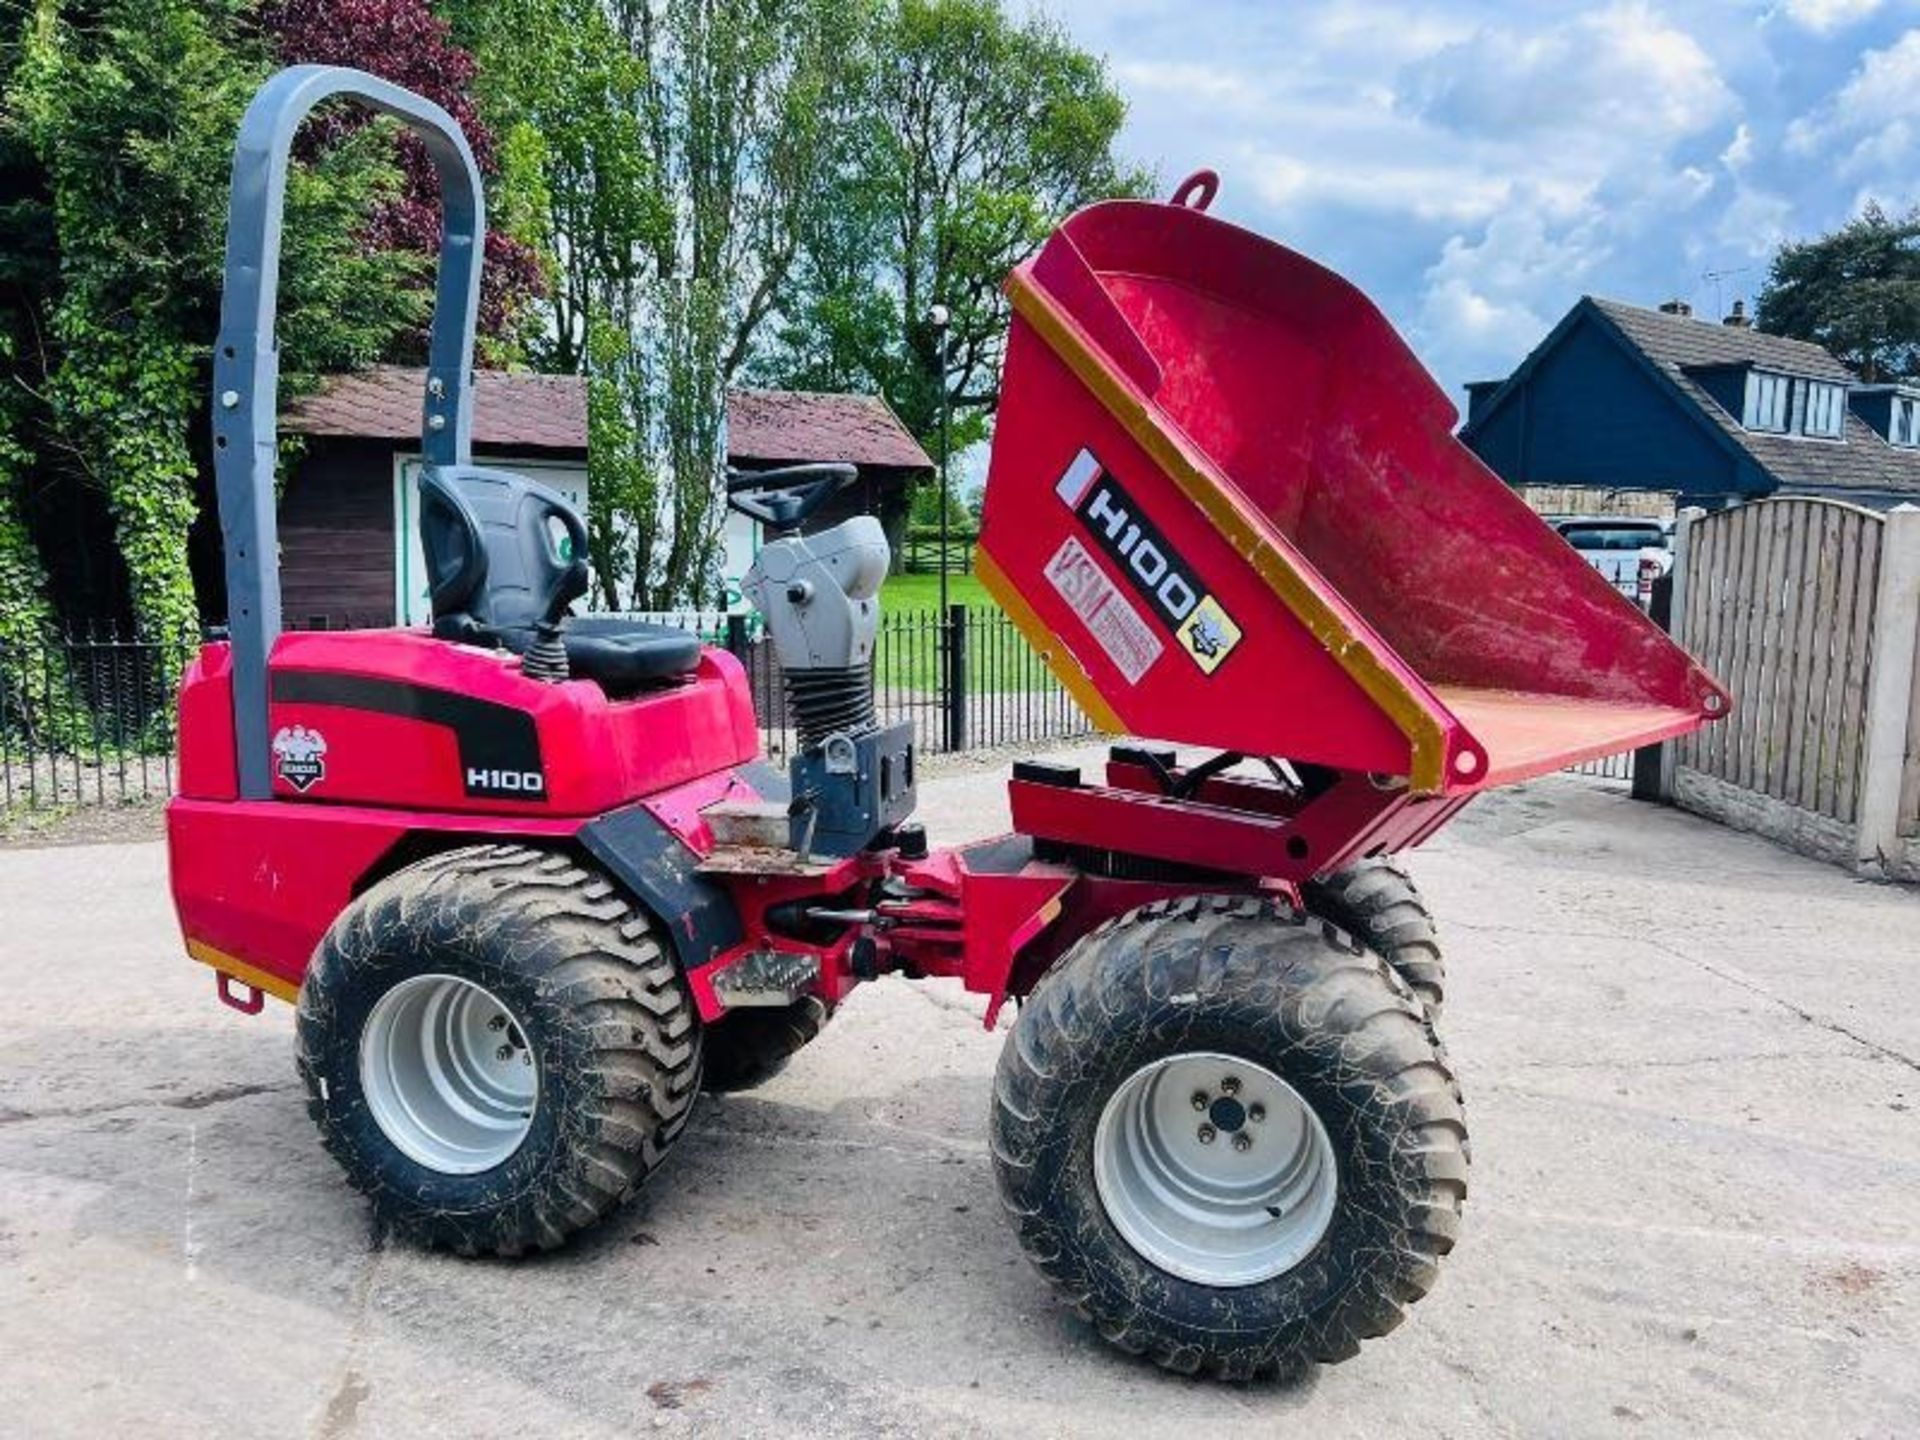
{"points": [[246, 364]]}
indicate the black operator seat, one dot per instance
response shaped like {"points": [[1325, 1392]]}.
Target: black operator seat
{"points": [[503, 553]]}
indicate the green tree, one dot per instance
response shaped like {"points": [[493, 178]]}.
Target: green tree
{"points": [[745, 107], [1855, 292], [126, 110], [674, 151], [113, 108], [563, 91], [405, 42], [978, 134], [26, 273]]}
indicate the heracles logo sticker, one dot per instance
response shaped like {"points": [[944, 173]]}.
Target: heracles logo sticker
{"points": [[1171, 588], [301, 755]]}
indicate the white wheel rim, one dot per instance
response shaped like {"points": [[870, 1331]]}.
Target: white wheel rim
{"points": [[447, 1074], [1215, 1169]]}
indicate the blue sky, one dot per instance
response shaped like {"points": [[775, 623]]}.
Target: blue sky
{"points": [[1476, 167]]}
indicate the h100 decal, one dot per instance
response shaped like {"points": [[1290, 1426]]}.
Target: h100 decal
{"points": [[1200, 623]]}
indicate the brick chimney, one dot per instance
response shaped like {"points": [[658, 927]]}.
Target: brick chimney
{"points": [[1738, 317], [1676, 307]]}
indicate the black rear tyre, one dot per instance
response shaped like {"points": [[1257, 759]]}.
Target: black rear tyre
{"points": [[586, 1065], [750, 1047], [1377, 902], [1258, 986]]}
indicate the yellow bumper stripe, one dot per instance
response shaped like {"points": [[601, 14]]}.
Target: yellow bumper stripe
{"points": [[246, 974]]}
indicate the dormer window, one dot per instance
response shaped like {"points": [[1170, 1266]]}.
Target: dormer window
{"points": [[1769, 402], [1825, 412], [1903, 427], [1783, 405]]}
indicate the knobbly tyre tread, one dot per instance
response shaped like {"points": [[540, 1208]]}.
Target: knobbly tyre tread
{"points": [[1377, 901], [751, 1046], [620, 1052], [1325, 1012]]}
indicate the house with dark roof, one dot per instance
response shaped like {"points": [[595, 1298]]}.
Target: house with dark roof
{"points": [[1624, 398], [349, 536]]}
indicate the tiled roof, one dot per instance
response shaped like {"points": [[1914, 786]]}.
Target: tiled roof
{"points": [[510, 410], [791, 427], [1683, 340], [1677, 343]]}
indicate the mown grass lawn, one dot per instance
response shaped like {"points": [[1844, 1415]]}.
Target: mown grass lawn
{"points": [[902, 593], [998, 658]]}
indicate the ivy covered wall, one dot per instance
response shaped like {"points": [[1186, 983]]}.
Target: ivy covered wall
{"points": [[117, 120]]}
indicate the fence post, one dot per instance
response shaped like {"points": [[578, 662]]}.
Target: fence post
{"points": [[1651, 781], [1682, 575], [737, 642], [1896, 621], [956, 696]]}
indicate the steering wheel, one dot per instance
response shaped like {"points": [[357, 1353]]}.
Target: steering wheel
{"points": [[781, 499]]}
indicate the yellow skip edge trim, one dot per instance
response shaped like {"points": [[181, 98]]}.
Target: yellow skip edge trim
{"points": [[1425, 735], [1046, 644], [246, 974]]}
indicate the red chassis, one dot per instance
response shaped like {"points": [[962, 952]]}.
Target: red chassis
{"points": [[257, 883]]}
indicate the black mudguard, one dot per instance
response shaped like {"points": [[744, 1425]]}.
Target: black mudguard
{"points": [[663, 874]]}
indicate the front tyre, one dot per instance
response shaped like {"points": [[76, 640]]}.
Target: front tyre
{"points": [[1226, 1137], [497, 1048]]}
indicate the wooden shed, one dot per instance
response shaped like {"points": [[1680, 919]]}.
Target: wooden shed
{"points": [[770, 428], [349, 541]]}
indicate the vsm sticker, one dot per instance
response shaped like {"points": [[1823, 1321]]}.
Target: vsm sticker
{"points": [[1205, 631], [301, 756]]}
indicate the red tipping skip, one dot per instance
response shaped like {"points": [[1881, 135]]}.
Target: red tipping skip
{"points": [[1227, 503]]}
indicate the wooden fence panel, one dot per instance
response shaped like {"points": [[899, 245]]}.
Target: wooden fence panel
{"points": [[1742, 585], [1826, 796], [1780, 605], [1803, 789], [1851, 729], [1910, 773]]}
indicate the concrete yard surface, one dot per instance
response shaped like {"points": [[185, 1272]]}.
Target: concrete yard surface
{"points": [[1692, 1068]]}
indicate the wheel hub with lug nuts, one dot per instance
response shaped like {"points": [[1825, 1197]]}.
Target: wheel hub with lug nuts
{"points": [[1225, 1215], [448, 1075]]}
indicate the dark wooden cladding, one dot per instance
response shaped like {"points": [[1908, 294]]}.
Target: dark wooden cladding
{"points": [[336, 535]]}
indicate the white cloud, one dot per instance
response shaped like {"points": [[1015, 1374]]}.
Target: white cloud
{"points": [[1825, 16], [1187, 80], [1455, 137], [1623, 73], [1481, 305], [1478, 164], [1754, 222], [1868, 132], [1394, 34], [1884, 87], [1884, 90], [1739, 152], [1589, 119], [1433, 192]]}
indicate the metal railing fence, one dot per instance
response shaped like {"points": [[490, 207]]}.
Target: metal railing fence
{"points": [[88, 717]]}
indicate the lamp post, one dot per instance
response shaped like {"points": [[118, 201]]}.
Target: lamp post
{"points": [[939, 318]]}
